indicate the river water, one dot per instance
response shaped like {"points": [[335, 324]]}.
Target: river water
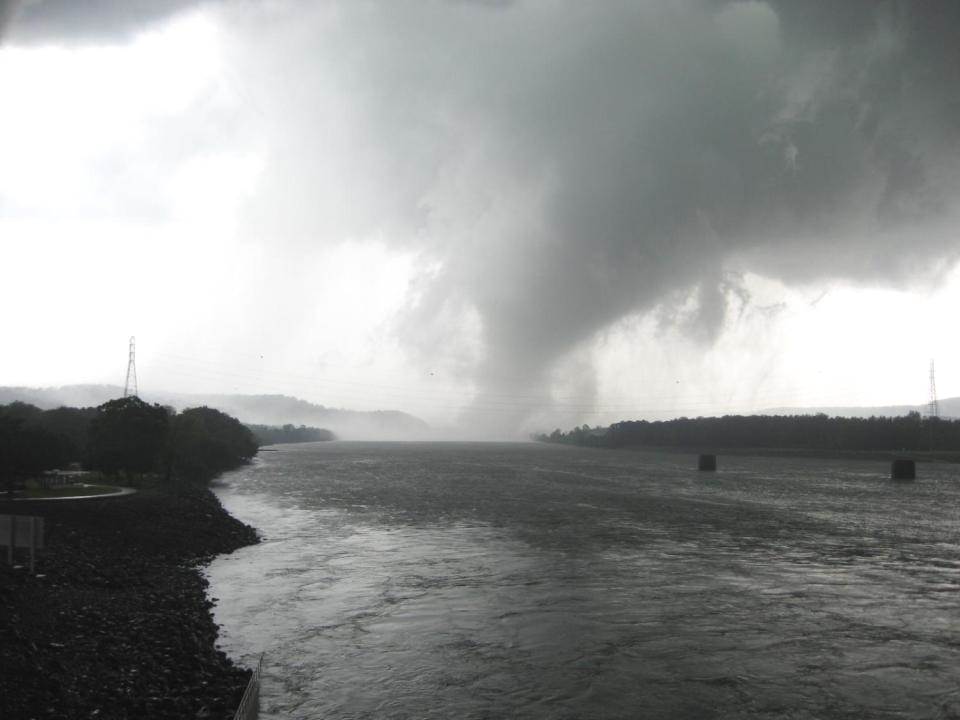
{"points": [[482, 580]]}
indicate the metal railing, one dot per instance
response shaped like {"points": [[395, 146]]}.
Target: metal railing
{"points": [[249, 707]]}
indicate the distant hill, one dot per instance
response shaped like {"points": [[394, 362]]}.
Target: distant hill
{"points": [[69, 395], [949, 408], [253, 409]]}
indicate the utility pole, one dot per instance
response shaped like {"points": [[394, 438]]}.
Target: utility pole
{"points": [[130, 387]]}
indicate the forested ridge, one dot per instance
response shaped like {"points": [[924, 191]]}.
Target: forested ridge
{"points": [[910, 432]]}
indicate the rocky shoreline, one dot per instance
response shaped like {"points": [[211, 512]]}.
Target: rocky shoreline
{"points": [[117, 623]]}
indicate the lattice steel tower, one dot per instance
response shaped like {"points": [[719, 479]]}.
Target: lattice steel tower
{"points": [[933, 408], [130, 387]]}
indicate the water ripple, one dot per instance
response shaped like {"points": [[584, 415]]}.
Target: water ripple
{"points": [[530, 581]]}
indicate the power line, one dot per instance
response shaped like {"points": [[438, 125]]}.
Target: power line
{"points": [[484, 404], [189, 366]]}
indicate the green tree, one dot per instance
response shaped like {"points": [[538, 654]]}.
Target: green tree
{"points": [[25, 449], [72, 424], [127, 435], [204, 442]]}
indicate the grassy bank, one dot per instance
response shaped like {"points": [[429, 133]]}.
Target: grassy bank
{"points": [[116, 624]]}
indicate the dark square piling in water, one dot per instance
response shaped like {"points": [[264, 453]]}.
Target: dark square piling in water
{"points": [[903, 469]]}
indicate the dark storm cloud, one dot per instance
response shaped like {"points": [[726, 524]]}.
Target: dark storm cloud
{"points": [[84, 21], [91, 21], [7, 8], [563, 165], [570, 164]]}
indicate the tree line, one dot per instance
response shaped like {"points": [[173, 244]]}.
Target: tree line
{"points": [[126, 437], [272, 435], [803, 432]]}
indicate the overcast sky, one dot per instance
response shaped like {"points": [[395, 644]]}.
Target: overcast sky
{"points": [[509, 215]]}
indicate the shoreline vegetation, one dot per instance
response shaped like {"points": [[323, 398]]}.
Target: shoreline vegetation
{"points": [[928, 439], [877, 455], [116, 622], [286, 434]]}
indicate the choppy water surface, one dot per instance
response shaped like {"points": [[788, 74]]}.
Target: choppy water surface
{"points": [[500, 580]]}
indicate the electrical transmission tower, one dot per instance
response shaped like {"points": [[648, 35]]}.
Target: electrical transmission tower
{"points": [[933, 409], [130, 387]]}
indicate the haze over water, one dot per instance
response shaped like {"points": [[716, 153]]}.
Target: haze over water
{"points": [[519, 580]]}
